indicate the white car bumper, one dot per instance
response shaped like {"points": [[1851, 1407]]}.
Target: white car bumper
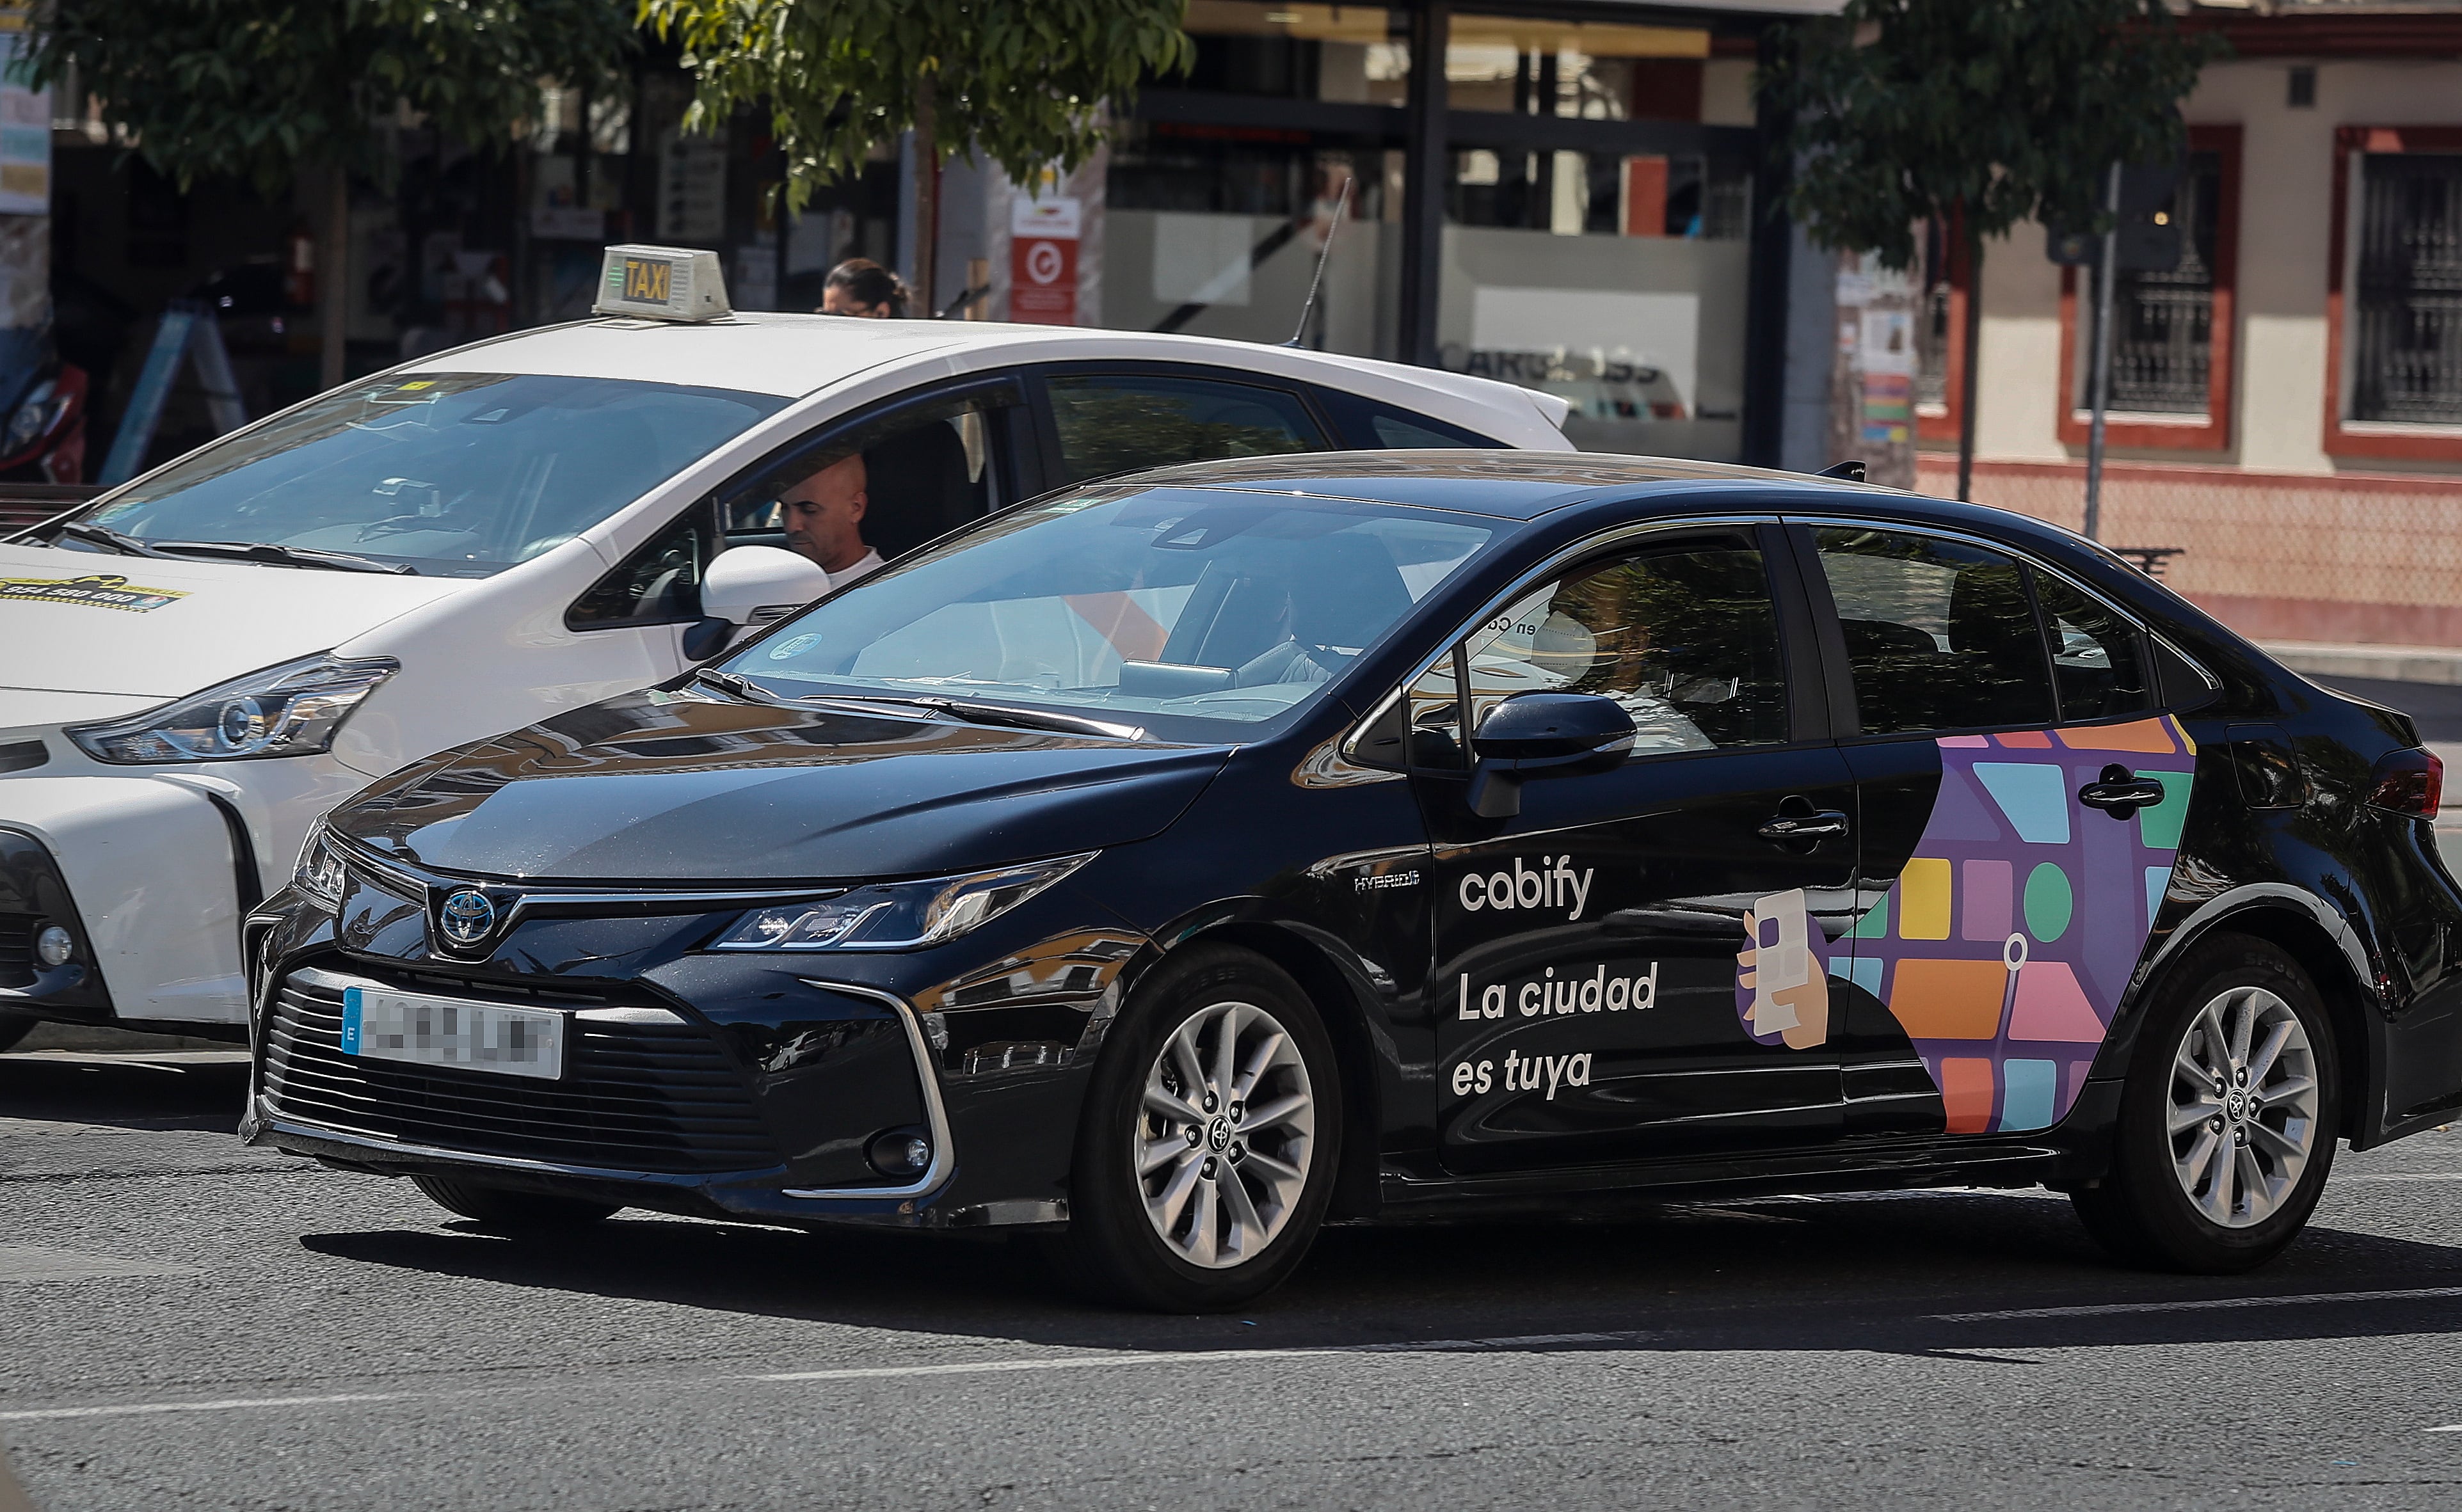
{"points": [[152, 872]]}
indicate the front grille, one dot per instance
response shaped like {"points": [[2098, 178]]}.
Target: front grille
{"points": [[16, 950], [635, 1096]]}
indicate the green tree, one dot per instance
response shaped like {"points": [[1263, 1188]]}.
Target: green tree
{"points": [[1021, 82], [271, 90], [1977, 114]]}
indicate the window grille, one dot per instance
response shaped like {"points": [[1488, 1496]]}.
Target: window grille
{"points": [[2406, 357], [2163, 323]]}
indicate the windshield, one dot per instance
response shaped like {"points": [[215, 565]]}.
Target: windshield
{"points": [[456, 474], [1178, 603]]}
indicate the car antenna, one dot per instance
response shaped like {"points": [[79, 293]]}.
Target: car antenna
{"points": [[1324, 254], [1852, 471]]}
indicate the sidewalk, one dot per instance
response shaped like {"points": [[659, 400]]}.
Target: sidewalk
{"points": [[2432, 664]]}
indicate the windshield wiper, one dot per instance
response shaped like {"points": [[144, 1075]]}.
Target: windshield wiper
{"points": [[735, 683], [288, 556], [105, 535], [974, 713]]}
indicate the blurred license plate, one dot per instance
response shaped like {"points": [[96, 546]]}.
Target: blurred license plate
{"points": [[412, 1026]]}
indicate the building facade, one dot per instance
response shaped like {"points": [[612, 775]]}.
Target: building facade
{"points": [[2286, 405]]}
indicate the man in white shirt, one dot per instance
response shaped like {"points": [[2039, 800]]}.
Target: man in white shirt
{"points": [[824, 519]]}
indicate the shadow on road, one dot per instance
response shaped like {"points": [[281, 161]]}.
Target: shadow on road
{"points": [[181, 1090], [1870, 1272]]}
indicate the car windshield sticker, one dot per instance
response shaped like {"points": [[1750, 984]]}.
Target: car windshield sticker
{"points": [[95, 591], [2003, 948]]}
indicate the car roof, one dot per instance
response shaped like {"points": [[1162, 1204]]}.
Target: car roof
{"points": [[791, 355], [1506, 484], [1525, 484]]}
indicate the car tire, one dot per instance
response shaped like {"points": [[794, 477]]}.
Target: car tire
{"points": [[15, 1027], [1200, 1178], [505, 1211], [2216, 1173]]}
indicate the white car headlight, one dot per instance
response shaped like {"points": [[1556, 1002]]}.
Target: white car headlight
{"points": [[290, 710], [319, 872], [897, 916]]}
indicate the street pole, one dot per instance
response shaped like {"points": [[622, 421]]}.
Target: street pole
{"points": [[2107, 275]]}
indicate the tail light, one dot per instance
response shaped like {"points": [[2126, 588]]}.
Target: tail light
{"points": [[2409, 781]]}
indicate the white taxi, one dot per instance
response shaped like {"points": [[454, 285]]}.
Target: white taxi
{"points": [[201, 663]]}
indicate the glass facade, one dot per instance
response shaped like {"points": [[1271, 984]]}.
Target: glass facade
{"points": [[1611, 272]]}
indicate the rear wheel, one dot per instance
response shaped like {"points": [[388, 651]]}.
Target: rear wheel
{"points": [[2227, 1122], [1207, 1150], [509, 1212]]}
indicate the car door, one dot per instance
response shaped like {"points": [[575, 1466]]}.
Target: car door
{"points": [[2021, 801], [1099, 420], [935, 459], [1635, 967]]}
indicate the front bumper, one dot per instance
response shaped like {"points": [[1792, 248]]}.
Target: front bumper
{"points": [[656, 1109], [151, 868]]}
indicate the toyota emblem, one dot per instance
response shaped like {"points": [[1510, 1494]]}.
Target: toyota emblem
{"points": [[468, 917]]}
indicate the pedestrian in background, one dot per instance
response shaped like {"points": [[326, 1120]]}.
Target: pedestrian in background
{"points": [[862, 288]]}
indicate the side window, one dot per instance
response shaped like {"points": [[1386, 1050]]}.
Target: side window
{"points": [[2098, 658], [927, 469], [1686, 638], [658, 584], [1940, 636], [1109, 424], [1372, 424]]}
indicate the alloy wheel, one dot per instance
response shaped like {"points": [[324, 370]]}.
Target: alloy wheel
{"points": [[2243, 1107], [1226, 1131]]}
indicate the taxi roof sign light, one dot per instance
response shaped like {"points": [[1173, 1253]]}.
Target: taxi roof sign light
{"points": [[661, 283]]}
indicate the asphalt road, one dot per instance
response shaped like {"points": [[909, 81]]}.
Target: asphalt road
{"points": [[192, 1325]]}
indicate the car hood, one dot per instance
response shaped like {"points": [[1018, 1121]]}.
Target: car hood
{"points": [[154, 628], [668, 787]]}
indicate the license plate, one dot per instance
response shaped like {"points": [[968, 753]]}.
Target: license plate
{"points": [[385, 1025]]}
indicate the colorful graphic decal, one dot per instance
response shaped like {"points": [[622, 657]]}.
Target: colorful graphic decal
{"points": [[1783, 977], [95, 591], [2003, 948]]}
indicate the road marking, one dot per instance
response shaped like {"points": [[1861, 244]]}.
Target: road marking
{"points": [[871, 1373], [2108, 1310], [2449, 1428], [2401, 1176], [36, 1262]]}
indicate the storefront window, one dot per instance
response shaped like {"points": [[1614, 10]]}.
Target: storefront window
{"points": [[1359, 55], [1614, 276]]}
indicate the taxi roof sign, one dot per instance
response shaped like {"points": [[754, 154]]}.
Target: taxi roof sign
{"points": [[661, 283]]}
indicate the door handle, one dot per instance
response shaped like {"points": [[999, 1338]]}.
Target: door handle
{"points": [[2120, 793], [1810, 823]]}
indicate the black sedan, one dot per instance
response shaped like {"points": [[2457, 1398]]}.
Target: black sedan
{"points": [[1179, 862]]}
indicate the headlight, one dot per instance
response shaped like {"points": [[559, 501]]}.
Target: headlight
{"points": [[32, 418], [897, 916], [319, 872], [289, 710]]}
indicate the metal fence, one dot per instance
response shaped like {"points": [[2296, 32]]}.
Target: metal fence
{"points": [[2406, 357]]}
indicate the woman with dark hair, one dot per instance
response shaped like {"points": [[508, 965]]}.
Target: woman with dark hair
{"points": [[862, 288]]}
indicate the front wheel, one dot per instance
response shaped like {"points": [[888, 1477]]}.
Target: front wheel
{"points": [[504, 1211], [1206, 1154], [2227, 1122]]}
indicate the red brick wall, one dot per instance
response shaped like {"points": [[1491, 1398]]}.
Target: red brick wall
{"points": [[2372, 558]]}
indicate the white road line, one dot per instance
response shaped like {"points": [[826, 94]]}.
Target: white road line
{"points": [[144, 1409], [871, 1373], [2110, 1309], [2449, 1428], [2399, 1176]]}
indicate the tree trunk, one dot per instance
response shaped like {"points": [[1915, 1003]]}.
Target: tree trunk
{"points": [[927, 199], [1974, 339], [332, 277]]}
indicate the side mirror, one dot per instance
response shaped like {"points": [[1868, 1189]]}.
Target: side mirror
{"points": [[748, 586], [1543, 735]]}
